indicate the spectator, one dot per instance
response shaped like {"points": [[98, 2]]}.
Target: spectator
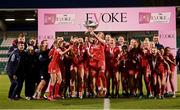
{"points": [[21, 38], [33, 42], [43, 75], [31, 72], [15, 70], [156, 41], [14, 46]]}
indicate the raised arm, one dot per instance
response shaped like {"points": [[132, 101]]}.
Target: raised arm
{"points": [[67, 50], [171, 61], [98, 38], [168, 67], [88, 52]]}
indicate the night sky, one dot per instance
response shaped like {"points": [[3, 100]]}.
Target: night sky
{"points": [[75, 3]]}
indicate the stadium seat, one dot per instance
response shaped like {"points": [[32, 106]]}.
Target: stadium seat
{"points": [[4, 46], [7, 42]]}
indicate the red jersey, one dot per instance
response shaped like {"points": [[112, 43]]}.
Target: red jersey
{"points": [[124, 62], [75, 54], [172, 66], [134, 59], [81, 53], [78, 54], [116, 52], [109, 54], [144, 59], [98, 51], [157, 64], [161, 66], [55, 60], [56, 57]]}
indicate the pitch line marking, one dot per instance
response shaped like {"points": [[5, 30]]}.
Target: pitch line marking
{"points": [[106, 103]]}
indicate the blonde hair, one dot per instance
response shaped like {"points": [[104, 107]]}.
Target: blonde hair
{"points": [[55, 43]]}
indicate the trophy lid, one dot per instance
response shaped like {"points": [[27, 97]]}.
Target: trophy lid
{"points": [[90, 23]]}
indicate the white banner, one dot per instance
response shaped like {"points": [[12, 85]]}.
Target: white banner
{"points": [[51, 19], [160, 17]]}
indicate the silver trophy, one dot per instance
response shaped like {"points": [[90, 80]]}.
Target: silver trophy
{"points": [[90, 25]]}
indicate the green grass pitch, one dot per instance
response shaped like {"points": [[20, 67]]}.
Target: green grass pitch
{"points": [[92, 103]]}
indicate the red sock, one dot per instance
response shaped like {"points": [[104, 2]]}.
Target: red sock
{"points": [[51, 90], [57, 89], [104, 81]]}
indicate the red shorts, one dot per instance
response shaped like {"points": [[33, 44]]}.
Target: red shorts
{"points": [[115, 69], [93, 63], [115, 65], [161, 69], [133, 72], [80, 65], [101, 65], [124, 74], [146, 70], [97, 64], [144, 63], [53, 68]]}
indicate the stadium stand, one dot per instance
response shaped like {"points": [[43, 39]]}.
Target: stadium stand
{"points": [[178, 41], [5, 44]]}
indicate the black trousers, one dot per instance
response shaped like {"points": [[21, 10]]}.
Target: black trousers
{"points": [[29, 86], [67, 79], [13, 88], [179, 65], [20, 80]]}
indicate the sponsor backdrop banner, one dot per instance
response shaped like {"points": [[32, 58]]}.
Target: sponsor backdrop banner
{"points": [[161, 19]]}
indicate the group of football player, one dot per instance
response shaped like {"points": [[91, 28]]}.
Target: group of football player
{"points": [[97, 65]]}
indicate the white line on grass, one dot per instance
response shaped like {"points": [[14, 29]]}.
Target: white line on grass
{"points": [[106, 103]]}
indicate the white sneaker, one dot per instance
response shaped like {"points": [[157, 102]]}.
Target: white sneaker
{"points": [[80, 97], [35, 95], [174, 96], [28, 98], [150, 96], [44, 96], [38, 95]]}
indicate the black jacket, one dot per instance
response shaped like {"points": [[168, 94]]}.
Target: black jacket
{"points": [[13, 62]]}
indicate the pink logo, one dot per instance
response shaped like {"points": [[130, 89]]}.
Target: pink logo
{"points": [[49, 19], [144, 17]]}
